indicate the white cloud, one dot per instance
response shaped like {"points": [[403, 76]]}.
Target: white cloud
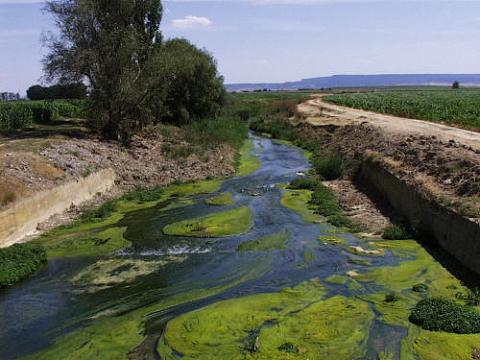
{"points": [[191, 21]]}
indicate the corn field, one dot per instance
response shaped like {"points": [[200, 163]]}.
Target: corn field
{"points": [[16, 115], [450, 106]]}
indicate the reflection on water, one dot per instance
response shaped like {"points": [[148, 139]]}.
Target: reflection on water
{"points": [[37, 311]]}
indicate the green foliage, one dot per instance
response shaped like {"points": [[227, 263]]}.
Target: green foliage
{"points": [[436, 314], [23, 114], [59, 91], [455, 107], [19, 261], [303, 183], [144, 195], [212, 132], [15, 116], [396, 232], [100, 213], [330, 166]]}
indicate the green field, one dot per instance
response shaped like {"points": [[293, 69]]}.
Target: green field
{"points": [[460, 107]]}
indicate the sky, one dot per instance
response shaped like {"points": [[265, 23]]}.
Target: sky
{"points": [[283, 40]]}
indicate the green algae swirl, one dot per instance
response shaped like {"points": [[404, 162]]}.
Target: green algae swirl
{"points": [[296, 323], [226, 223]]}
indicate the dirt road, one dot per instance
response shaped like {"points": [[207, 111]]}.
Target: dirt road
{"points": [[318, 112]]}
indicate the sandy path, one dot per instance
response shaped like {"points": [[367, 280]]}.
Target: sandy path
{"points": [[318, 112]]}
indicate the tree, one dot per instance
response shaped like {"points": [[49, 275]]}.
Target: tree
{"points": [[108, 44], [59, 91], [195, 89], [36, 92], [456, 85]]}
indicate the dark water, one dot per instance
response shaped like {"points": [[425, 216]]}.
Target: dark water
{"points": [[37, 311]]}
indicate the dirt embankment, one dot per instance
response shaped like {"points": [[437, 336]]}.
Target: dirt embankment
{"points": [[443, 163], [30, 165]]}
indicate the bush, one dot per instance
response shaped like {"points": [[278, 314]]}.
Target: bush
{"points": [[436, 314], [20, 261], [99, 213], [145, 195], [303, 183], [396, 232], [330, 166]]}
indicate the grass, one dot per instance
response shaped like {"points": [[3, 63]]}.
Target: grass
{"points": [[436, 314], [19, 261], [221, 200], [227, 223], [271, 242], [459, 107]]}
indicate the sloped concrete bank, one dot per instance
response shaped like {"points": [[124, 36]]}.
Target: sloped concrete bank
{"points": [[458, 235], [23, 218]]}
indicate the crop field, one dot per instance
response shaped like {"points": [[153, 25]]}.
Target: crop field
{"points": [[17, 115], [457, 107]]}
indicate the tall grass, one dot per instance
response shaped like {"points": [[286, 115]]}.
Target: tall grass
{"points": [[23, 114]]}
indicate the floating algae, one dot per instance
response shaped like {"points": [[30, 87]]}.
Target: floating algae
{"points": [[317, 328], [108, 273], [271, 242], [232, 222], [221, 200], [96, 243], [297, 200], [249, 163]]}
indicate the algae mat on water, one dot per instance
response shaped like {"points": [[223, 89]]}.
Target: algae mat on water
{"points": [[296, 323], [249, 163], [271, 242], [226, 223], [221, 200]]}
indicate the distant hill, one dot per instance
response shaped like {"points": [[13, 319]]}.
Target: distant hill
{"points": [[353, 81]]}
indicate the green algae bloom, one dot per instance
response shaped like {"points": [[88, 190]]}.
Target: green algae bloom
{"points": [[249, 163], [333, 240], [108, 273], [297, 200], [67, 243], [221, 200], [227, 223], [260, 326], [101, 237], [271, 242]]}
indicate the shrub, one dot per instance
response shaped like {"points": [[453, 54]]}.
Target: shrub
{"points": [[330, 166], [144, 195], [436, 314], [19, 261], [303, 183], [99, 213], [396, 232]]}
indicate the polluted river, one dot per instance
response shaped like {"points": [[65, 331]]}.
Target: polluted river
{"points": [[238, 268]]}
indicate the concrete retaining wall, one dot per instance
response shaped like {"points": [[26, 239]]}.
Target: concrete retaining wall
{"points": [[458, 235], [23, 217]]}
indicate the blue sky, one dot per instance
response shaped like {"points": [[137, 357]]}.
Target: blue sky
{"points": [[281, 40]]}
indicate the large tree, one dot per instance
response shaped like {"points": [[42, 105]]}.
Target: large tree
{"points": [[109, 44]]}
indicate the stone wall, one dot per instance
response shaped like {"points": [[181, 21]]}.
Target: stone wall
{"points": [[22, 219], [458, 235]]}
